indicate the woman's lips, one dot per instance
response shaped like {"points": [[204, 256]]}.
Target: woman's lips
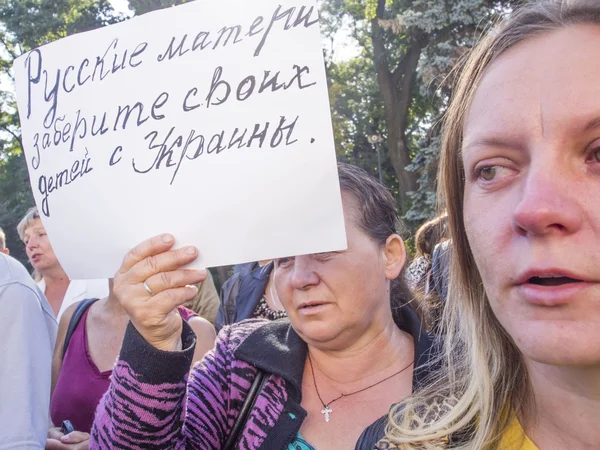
{"points": [[553, 293], [312, 308]]}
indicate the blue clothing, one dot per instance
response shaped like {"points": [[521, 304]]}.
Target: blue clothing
{"points": [[27, 337], [240, 295], [300, 444]]}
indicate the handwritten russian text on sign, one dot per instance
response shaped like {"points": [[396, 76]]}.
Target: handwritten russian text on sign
{"points": [[209, 120]]}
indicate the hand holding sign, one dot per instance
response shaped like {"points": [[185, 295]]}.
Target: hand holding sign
{"points": [[154, 314]]}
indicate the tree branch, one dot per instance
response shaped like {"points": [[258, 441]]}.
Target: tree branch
{"points": [[380, 58], [377, 38], [417, 42], [15, 136], [9, 49]]}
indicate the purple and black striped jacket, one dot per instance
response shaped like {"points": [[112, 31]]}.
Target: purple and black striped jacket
{"points": [[147, 405]]}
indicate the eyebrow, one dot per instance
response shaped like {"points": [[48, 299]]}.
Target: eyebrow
{"points": [[33, 230], [592, 124], [492, 141]]}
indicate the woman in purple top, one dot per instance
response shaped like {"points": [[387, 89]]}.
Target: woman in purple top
{"points": [[82, 375], [350, 347]]}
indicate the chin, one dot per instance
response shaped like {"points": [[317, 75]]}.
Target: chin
{"points": [[40, 266], [560, 344], [316, 333]]}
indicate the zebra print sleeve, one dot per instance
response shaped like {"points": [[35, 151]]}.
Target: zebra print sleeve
{"points": [[217, 388], [146, 405]]}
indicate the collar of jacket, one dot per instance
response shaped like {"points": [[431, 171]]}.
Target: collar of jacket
{"points": [[277, 349]]}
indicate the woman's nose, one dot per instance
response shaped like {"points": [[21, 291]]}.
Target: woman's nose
{"points": [[549, 201], [32, 242], [304, 275]]}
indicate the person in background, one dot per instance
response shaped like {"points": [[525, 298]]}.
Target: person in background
{"points": [[3, 248], [428, 273], [520, 178], [81, 374], [206, 302], [427, 237], [250, 294], [60, 291], [244, 268], [27, 335]]}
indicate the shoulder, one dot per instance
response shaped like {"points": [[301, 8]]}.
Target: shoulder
{"points": [[68, 314], [201, 326], [19, 289], [232, 336], [63, 326], [372, 435], [12, 271]]}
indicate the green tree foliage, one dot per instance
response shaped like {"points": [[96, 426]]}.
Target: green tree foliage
{"points": [[144, 6], [26, 24], [15, 199], [407, 48]]}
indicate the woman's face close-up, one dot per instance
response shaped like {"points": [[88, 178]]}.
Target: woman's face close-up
{"points": [[37, 246], [531, 154], [331, 298]]}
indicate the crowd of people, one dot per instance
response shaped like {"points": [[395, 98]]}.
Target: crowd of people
{"points": [[487, 340]]}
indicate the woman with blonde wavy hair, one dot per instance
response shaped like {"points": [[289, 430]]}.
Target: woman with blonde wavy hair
{"points": [[520, 177]]}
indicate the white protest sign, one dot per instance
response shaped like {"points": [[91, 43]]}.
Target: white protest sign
{"points": [[208, 120]]}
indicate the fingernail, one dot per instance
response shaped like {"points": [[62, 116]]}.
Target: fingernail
{"points": [[190, 250], [65, 438], [167, 238], [193, 286], [202, 272]]}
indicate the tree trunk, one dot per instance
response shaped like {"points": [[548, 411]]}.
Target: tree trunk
{"points": [[396, 90]]}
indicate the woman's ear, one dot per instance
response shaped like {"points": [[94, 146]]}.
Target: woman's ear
{"points": [[394, 254]]}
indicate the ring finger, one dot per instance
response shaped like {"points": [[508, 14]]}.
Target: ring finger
{"points": [[171, 280]]}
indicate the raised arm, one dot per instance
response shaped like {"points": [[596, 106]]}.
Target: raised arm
{"points": [[148, 403], [145, 402]]}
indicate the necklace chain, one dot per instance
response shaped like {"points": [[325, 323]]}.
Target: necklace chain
{"points": [[327, 411]]}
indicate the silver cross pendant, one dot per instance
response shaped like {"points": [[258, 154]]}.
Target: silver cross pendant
{"points": [[326, 412]]}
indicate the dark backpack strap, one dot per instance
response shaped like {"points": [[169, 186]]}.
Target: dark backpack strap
{"points": [[238, 426], [75, 319]]}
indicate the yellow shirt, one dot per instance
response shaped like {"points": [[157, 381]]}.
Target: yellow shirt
{"points": [[515, 439]]}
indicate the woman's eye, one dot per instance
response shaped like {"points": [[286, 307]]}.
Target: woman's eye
{"points": [[488, 173], [284, 262], [597, 155]]}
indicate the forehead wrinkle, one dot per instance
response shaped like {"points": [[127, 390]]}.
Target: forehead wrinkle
{"points": [[493, 140]]}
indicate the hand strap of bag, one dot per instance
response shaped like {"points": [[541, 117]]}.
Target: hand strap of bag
{"points": [[238, 426]]}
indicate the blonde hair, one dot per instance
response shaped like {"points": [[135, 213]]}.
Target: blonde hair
{"points": [[483, 382], [26, 221]]}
